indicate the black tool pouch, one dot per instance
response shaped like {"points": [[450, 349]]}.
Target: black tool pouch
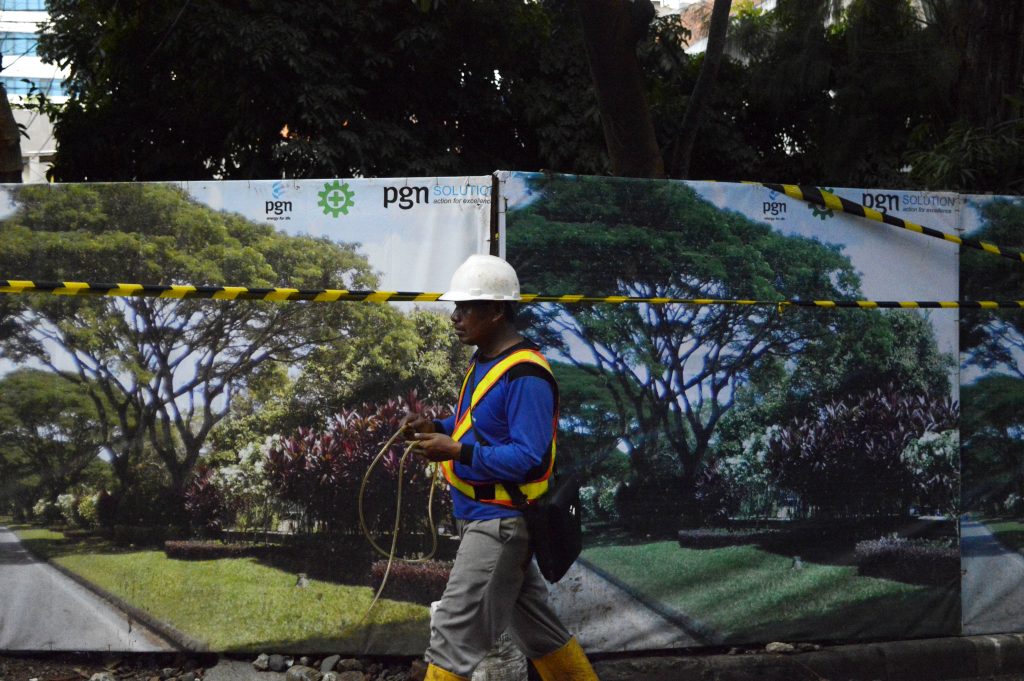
{"points": [[554, 523]]}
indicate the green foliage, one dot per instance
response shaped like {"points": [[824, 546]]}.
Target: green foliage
{"points": [[848, 458], [49, 436], [992, 429], [969, 157], [991, 339], [308, 89], [400, 353]]}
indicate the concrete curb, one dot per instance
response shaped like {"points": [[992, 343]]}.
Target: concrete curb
{"points": [[937, 659], [178, 639]]}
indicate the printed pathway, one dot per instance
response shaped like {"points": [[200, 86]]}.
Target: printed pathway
{"points": [[992, 588], [41, 609], [607, 619]]}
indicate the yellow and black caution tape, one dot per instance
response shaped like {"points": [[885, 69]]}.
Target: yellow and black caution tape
{"points": [[822, 197], [185, 292]]}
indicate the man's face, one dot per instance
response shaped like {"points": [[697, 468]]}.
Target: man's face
{"points": [[475, 320]]}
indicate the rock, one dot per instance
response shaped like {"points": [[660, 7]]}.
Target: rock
{"points": [[276, 663], [351, 676], [417, 670], [349, 664], [261, 663], [102, 676], [329, 663], [807, 647], [304, 661], [302, 673], [168, 672], [302, 581], [187, 676], [329, 676], [779, 647]]}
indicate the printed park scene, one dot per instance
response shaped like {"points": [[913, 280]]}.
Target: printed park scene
{"points": [[992, 373], [753, 473], [201, 460]]}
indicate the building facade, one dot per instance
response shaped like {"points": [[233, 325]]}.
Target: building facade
{"points": [[24, 74]]}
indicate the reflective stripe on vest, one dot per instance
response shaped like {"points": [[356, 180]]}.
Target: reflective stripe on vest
{"points": [[493, 492]]}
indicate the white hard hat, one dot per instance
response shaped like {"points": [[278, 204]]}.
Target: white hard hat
{"points": [[483, 277]]}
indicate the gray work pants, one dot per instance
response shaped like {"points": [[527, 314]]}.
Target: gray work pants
{"points": [[494, 586]]}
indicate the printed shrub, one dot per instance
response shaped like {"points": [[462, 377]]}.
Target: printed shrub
{"points": [[204, 504], [46, 512], [88, 515], [915, 561], [144, 535], [207, 550], [1014, 504], [68, 508], [106, 509], [321, 471], [714, 538], [416, 582], [846, 459]]}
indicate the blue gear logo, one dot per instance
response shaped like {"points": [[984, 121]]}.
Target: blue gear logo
{"points": [[336, 198]]}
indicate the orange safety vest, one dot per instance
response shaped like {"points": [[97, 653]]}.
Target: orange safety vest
{"points": [[494, 492]]}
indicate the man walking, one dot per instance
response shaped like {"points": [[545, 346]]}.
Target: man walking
{"points": [[502, 434]]}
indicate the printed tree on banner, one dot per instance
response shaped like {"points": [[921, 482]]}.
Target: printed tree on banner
{"points": [[162, 373], [992, 341], [674, 370]]}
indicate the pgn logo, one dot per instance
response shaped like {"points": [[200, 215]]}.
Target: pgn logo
{"points": [[405, 197], [881, 202], [276, 208], [773, 208]]}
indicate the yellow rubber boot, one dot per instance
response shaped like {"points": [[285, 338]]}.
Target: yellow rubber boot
{"points": [[435, 673], [568, 663]]}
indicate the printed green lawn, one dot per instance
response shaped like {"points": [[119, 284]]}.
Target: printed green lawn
{"points": [[239, 604], [1010, 533], [747, 594]]}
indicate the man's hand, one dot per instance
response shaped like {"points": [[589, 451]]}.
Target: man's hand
{"points": [[413, 423], [436, 446]]}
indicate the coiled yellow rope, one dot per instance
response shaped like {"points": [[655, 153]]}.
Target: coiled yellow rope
{"points": [[391, 554]]}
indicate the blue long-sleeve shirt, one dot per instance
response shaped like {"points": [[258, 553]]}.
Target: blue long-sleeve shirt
{"points": [[516, 421]]}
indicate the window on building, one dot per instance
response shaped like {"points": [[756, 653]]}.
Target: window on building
{"points": [[18, 44], [22, 86], [24, 5]]}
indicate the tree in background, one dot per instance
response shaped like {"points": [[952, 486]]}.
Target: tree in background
{"points": [[308, 89], [991, 341], [993, 431], [674, 370], [867, 93], [50, 436], [163, 373]]}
